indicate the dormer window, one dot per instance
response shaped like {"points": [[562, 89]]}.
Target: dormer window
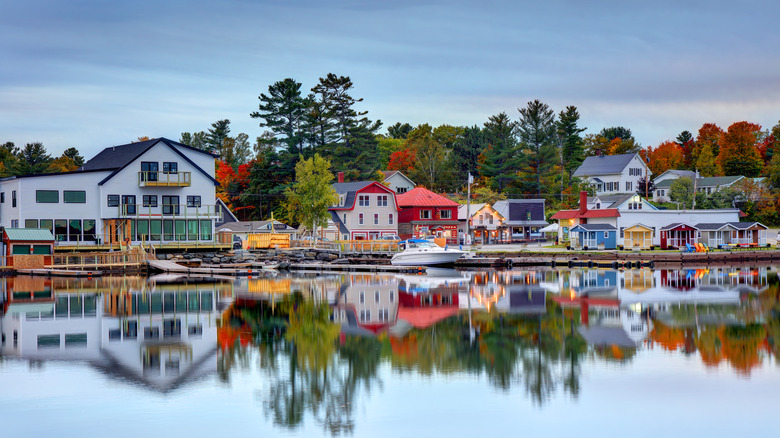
{"points": [[598, 205]]}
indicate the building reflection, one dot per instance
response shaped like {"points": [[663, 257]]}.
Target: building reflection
{"points": [[157, 335]]}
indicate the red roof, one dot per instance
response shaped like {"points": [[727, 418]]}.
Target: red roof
{"points": [[565, 214], [422, 197], [422, 317]]}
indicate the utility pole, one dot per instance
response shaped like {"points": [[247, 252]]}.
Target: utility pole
{"points": [[467, 238], [695, 181]]}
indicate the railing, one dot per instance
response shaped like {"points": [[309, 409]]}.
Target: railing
{"points": [[170, 211], [99, 260], [148, 178], [355, 246]]}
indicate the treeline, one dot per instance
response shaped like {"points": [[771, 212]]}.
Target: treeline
{"points": [[33, 158]]}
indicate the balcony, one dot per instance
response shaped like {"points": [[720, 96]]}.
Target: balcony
{"points": [[169, 211], [164, 179]]}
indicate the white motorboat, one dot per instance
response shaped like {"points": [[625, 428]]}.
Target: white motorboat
{"points": [[419, 252]]}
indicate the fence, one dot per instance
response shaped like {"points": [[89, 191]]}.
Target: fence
{"points": [[352, 246], [134, 257], [268, 240]]}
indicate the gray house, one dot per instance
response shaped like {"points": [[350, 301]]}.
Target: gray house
{"points": [[524, 218]]}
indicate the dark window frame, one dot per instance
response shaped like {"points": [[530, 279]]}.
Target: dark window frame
{"points": [[149, 200], [193, 201], [65, 197], [112, 200], [149, 170], [170, 167], [39, 192]]}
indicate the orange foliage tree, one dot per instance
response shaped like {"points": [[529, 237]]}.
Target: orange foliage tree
{"points": [[738, 152], [668, 155], [402, 160]]}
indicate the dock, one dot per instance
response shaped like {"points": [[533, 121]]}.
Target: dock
{"points": [[330, 267]]}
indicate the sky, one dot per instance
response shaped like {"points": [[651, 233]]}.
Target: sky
{"points": [[92, 74]]}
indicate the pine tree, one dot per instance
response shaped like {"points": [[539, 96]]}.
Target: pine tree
{"points": [[568, 132], [536, 131], [499, 160], [283, 110]]}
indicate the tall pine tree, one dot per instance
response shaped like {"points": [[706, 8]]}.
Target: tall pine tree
{"points": [[536, 131]]}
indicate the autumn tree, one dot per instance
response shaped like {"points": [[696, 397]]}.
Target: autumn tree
{"points": [[310, 196], [74, 155], [705, 163], [403, 160], [61, 164], [738, 154], [429, 155], [686, 144], [668, 155], [709, 134]]}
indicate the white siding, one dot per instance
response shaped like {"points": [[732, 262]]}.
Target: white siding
{"points": [[660, 218]]}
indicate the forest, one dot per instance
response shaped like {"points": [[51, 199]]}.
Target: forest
{"points": [[531, 153]]}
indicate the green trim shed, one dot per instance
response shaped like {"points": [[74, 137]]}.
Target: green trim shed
{"points": [[25, 241]]}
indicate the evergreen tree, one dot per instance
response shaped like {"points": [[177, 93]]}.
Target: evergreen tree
{"points": [[284, 110], [499, 160], [399, 130], [217, 134], [705, 163], [195, 140], [571, 142], [465, 154], [74, 155], [536, 131], [32, 159], [685, 141]]}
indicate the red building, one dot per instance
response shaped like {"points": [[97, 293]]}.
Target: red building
{"points": [[422, 213]]}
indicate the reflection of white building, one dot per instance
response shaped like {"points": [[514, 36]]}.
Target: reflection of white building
{"points": [[619, 326], [160, 338], [367, 301]]}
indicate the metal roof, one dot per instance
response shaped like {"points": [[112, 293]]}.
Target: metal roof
{"points": [[29, 234], [708, 181], [595, 227], [604, 164]]}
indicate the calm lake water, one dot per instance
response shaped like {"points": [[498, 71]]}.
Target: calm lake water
{"points": [[555, 352]]}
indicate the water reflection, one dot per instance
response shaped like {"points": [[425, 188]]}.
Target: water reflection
{"points": [[320, 341]]}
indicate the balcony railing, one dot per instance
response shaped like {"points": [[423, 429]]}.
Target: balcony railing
{"points": [[164, 179], [170, 211]]}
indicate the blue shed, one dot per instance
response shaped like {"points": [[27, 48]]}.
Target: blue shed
{"points": [[593, 236]]}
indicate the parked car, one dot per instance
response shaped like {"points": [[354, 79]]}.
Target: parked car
{"points": [[237, 244]]}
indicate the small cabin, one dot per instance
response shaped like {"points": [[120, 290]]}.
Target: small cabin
{"points": [[748, 233], [28, 248], [715, 235], [637, 236], [677, 235], [593, 236]]}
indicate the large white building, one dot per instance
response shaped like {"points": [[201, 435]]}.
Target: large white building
{"points": [[612, 174], [151, 191]]}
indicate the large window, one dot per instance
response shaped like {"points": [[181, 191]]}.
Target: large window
{"points": [[89, 230], [47, 224], [74, 230], [205, 230], [168, 229], [128, 203], [192, 230], [60, 230], [47, 196], [155, 229], [31, 223], [74, 196], [382, 201], [149, 169], [364, 201]]}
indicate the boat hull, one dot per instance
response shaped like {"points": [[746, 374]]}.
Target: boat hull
{"points": [[426, 258]]}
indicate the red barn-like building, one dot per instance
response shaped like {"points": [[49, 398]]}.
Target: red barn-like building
{"points": [[423, 213]]}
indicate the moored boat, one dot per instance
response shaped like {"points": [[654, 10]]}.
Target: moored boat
{"points": [[420, 252]]}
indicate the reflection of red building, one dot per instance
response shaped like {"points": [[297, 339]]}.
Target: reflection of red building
{"points": [[422, 213], [425, 309]]}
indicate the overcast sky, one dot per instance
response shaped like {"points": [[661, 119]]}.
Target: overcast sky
{"points": [[92, 74]]}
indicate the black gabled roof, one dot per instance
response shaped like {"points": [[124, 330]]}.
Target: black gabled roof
{"points": [[117, 158]]}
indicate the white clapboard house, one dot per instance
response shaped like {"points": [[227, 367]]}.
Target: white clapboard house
{"points": [[611, 174], [151, 191]]}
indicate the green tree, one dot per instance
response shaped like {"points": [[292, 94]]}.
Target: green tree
{"points": [[499, 160], [681, 191], [195, 140], [310, 196], [536, 131], [569, 132], [217, 134], [705, 162], [399, 130], [464, 158], [773, 171], [430, 156], [74, 155], [686, 143], [8, 153], [284, 111], [32, 159]]}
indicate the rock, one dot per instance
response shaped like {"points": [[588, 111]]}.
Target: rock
{"points": [[215, 259], [162, 256]]}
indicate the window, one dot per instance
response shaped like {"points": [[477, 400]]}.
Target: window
{"points": [[75, 340], [149, 170], [74, 196], [48, 341], [47, 196], [74, 230], [376, 219], [2, 197], [360, 219], [113, 201], [344, 218], [128, 203], [362, 297], [13, 198], [401, 190], [606, 234], [384, 315], [628, 186], [150, 200], [390, 218], [598, 205], [365, 315], [382, 201], [392, 296], [376, 296], [446, 214], [170, 167], [195, 329], [170, 205], [364, 201], [193, 201], [31, 223], [14, 223], [425, 214]]}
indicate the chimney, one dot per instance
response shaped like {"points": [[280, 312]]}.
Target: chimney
{"points": [[583, 201], [341, 177]]}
